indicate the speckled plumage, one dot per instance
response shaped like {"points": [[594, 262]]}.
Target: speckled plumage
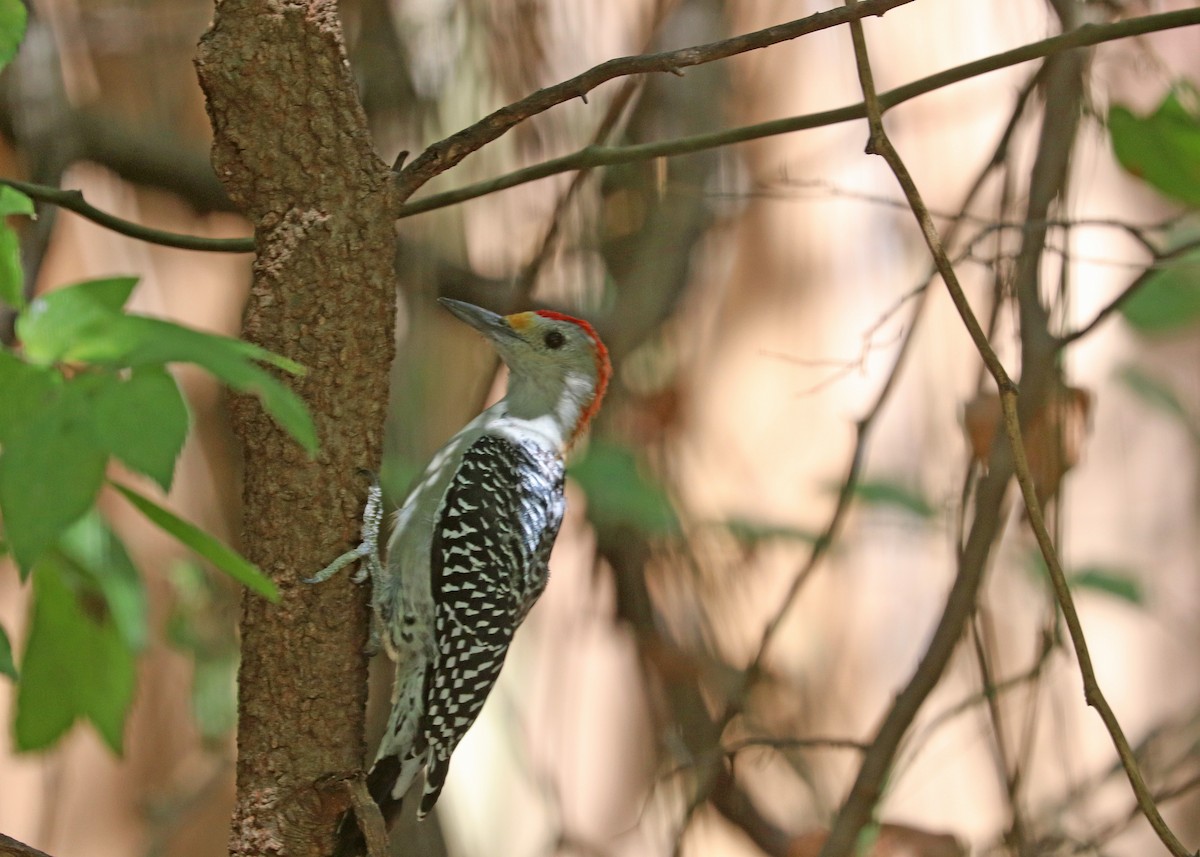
{"points": [[490, 553]]}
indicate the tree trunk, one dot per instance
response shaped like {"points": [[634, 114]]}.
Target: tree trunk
{"points": [[291, 148]]}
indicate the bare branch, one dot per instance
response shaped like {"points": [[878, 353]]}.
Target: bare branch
{"points": [[444, 154], [846, 491], [1126, 293], [859, 805], [599, 156], [72, 200], [1091, 687], [10, 847]]}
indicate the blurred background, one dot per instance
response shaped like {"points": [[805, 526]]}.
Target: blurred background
{"points": [[755, 299]]}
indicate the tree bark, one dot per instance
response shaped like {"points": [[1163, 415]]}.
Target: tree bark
{"points": [[292, 150]]}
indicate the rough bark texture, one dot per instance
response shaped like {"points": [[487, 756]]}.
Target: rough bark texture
{"points": [[292, 150]]}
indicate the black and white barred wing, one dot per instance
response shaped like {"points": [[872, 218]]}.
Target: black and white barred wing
{"points": [[489, 565]]}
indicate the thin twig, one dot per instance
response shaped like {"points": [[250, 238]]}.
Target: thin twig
{"points": [[914, 745], [848, 483], [1108, 832], [733, 748], [1010, 772], [856, 811], [778, 191], [599, 156], [1091, 688], [859, 805], [1115, 304], [446, 153], [846, 490], [72, 200]]}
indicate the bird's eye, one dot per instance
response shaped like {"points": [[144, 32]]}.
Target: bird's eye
{"points": [[554, 339]]}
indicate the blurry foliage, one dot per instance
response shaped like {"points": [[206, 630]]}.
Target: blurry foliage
{"points": [[881, 492], [89, 620], [1159, 395], [1163, 149], [89, 384], [621, 493], [13, 16], [1119, 582], [753, 533], [7, 666], [1169, 300], [198, 627], [1054, 437]]}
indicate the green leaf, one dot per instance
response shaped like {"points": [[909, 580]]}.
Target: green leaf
{"points": [[74, 666], [12, 201], [143, 421], [109, 293], [98, 554], [754, 532], [1155, 393], [220, 555], [214, 695], [1163, 149], [84, 323], [51, 468], [1118, 582], [7, 667], [24, 390], [620, 494], [881, 492], [230, 360], [69, 324], [1169, 300], [12, 277], [199, 626], [868, 838], [13, 18]]}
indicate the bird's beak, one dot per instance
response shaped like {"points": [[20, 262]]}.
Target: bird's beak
{"points": [[494, 327]]}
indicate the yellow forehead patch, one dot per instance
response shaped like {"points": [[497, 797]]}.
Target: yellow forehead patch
{"points": [[520, 320]]}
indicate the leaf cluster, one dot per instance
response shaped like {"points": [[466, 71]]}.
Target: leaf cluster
{"points": [[90, 384]]}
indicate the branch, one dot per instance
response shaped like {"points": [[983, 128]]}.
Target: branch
{"points": [[859, 805], [863, 427], [599, 156], [1126, 293], [1063, 88], [446, 153], [72, 200], [1091, 687], [1098, 837], [10, 847]]}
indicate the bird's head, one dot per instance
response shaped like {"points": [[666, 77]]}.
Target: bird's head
{"points": [[557, 363]]}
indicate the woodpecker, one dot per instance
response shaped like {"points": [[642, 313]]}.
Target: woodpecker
{"points": [[468, 554]]}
